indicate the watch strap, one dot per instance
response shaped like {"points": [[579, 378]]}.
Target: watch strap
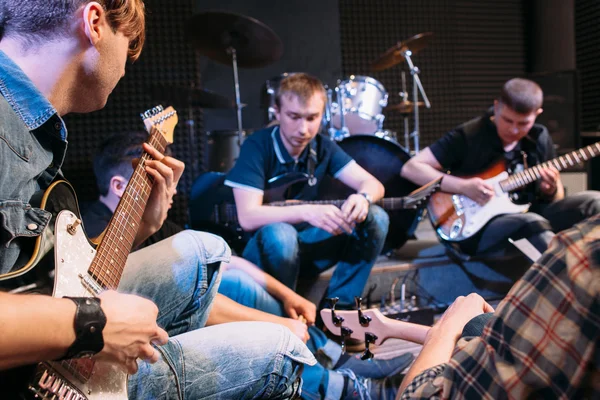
{"points": [[367, 196]]}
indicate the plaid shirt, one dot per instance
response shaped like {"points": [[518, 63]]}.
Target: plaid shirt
{"points": [[542, 341]]}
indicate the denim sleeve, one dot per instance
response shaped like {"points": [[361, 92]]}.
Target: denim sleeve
{"points": [[18, 220]]}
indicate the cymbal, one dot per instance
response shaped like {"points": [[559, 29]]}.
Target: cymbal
{"points": [[404, 107], [395, 54], [189, 96], [213, 33]]}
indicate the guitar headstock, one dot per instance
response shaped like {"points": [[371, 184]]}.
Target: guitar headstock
{"points": [[162, 120], [369, 325], [420, 196], [356, 324]]}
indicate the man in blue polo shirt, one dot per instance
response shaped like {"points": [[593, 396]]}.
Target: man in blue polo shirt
{"points": [[306, 239]]}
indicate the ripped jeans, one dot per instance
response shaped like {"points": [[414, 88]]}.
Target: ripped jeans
{"points": [[245, 360]]}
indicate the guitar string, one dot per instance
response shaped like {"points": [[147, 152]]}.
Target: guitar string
{"points": [[125, 225], [82, 369]]}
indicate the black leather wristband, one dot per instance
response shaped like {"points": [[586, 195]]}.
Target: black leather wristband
{"points": [[89, 323]]}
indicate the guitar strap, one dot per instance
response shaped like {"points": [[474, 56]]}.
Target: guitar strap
{"points": [[312, 162]]}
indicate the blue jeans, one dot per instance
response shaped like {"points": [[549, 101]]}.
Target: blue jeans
{"points": [[239, 286], [287, 253], [230, 361]]}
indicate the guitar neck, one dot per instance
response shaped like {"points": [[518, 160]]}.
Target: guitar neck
{"points": [[377, 324], [404, 330], [228, 212], [524, 178], [109, 262], [389, 203]]}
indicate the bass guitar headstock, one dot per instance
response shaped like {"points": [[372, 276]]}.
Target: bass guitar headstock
{"points": [[370, 326]]}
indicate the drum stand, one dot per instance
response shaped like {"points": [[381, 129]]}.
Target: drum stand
{"points": [[417, 87], [343, 132], [238, 103]]}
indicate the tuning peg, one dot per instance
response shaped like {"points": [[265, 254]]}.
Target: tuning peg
{"points": [[346, 332], [335, 319], [362, 319], [369, 338]]}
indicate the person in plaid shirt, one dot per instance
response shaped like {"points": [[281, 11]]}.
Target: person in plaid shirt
{"points": [[542, 341]]}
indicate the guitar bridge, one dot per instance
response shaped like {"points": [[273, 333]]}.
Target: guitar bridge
{"points": [[90, 284], [48, 384]]}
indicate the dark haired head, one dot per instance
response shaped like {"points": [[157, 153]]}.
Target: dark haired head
{"points": [[115, 156], [522, 95]]}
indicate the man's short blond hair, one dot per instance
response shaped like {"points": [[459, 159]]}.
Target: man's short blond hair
{"points": [[301, 85]]}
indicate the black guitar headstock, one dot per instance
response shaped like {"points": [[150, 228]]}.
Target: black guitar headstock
{"points": [[418, 198]]}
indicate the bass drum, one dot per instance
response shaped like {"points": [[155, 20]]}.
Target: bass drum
{"points": [[383, 159]]}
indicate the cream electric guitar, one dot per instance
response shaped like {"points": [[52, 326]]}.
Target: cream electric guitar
{"points": [[455, 217], [81, 270], [371, 326]]}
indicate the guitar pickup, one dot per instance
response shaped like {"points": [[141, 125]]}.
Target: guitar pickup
{"points": [[48, 384], [458, 204]]}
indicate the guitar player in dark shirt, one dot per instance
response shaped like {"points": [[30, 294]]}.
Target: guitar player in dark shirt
{"points": [[506, 136], [304, 240]]}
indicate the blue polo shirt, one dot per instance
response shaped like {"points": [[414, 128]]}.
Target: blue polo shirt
{"points": [[264, 157]]}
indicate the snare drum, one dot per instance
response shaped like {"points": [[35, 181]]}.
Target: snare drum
{"points": [[363, 100]]}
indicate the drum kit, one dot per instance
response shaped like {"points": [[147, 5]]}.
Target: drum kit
{"points": [[244, 42], [354, 118], [360, 100]]}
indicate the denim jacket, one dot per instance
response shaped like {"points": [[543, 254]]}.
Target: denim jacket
{"points": [[32, 149]]}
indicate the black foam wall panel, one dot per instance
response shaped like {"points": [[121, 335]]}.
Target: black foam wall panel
{"points": [[477, 45], [166, 59]]}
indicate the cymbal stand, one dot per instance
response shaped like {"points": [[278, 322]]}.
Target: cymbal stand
{"points": [[417, 87], [238, 102], [328, 119], [192, 138], [404, 96]]}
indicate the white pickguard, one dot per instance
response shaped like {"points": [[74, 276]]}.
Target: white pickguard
{"points": [[476, 215], [73, 256]]}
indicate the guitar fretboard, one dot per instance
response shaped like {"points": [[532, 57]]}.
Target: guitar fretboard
{"points": [[110, 259], [523, 178]]}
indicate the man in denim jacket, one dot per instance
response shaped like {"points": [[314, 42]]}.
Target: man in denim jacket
{"points": [[58, 57]]}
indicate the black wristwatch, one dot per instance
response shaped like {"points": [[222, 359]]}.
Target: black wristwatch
{"points": [[367, 196], [89, 323]]}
